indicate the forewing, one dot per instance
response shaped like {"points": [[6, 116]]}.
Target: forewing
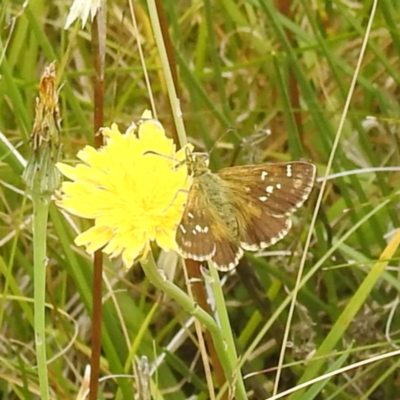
{"points": [[265, 195], [194, 235], [278, 188], [203, 235]]}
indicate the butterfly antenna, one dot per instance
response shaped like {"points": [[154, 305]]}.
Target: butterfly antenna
{"points": [[179, 162], [252, 145], [219, 138], [246, 143]]}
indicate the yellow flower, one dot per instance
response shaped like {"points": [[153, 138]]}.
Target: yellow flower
{"points": [[134, 187]]}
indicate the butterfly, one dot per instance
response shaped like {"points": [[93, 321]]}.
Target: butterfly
{"points": [[239, 208]]}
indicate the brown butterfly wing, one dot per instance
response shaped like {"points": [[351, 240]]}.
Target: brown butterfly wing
{"points": [[193, 235], [227, 254], [202, 233], [264, 196]]}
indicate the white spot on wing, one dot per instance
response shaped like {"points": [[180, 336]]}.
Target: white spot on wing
{"points": [[182, 228], [199, 229], [190, 215], [264, 174], [263, 198], [289, 170], [278, 186], [269, 189]]}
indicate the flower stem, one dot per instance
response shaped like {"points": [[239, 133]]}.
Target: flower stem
{"points": [[223, 318], [151, 271], [40, 216], [42, 179]]}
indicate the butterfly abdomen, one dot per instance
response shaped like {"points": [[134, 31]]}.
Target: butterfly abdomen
{"points": [[220, 201]]}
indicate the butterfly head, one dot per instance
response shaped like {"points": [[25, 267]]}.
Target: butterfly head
{"points": [[198, 163]]}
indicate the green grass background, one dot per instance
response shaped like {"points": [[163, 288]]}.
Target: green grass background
{"points": [[244, 67]]}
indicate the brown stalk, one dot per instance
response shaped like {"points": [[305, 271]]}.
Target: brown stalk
{"points": [[284, 7], [98, 83]]}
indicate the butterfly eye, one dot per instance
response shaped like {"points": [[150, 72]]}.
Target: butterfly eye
{"points": [[201, 159]]}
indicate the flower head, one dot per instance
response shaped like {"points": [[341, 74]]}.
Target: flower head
{"points": [[41, 175], [81, 9], [134, 187]]}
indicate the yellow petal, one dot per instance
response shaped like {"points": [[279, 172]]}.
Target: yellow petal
{"points": [[134, 188]]}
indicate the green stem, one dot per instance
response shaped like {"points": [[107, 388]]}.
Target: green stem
{"points": [[223, 318], [42, 178], [160, 282], [40, 216]]}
